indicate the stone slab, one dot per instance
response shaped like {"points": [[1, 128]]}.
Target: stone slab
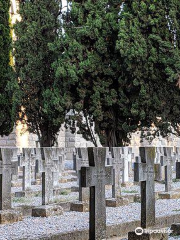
{"points": [[16, 184], [72, 179], [80, 206], [10, 216], [74, 189], [36, 182], [127, 184], [63, 180], [117, 202], [147, 236], [169, 195], [20, 194], [47, 211], [26, 210], [131, 197]]}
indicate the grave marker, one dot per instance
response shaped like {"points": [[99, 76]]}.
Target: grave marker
{"points": [[144, 173], [166, 161], [26, 162], [7, 168], [96, 176], [47, 168], [117, 163], [82, 161], [47, 175]]}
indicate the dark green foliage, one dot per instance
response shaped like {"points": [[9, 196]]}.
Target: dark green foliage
{"points": [[91, 67], [7, 80], [150, 62], [121, 67], [42, 101]]}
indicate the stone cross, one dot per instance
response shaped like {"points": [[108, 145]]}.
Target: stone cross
{"points": [[74, 160], [46, 167], [166, 161], [177, 153], [108, 157], [126, 156], [117, 163], [33, 163], [26, 163], [177, 163], [144, 173], [37, 161], [158, 166], [57, 165], [61, 156], [82, 161], [7, 168], [96, 176], [130, 161]]}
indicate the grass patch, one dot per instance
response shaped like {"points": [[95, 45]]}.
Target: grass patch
{"points": [[38, 194], [129, 191], [21, 200], [65, 192], [176, 180], [55, 200], [176, 210]]}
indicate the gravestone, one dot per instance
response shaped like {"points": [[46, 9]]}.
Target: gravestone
{"points": [[81, 160], [96, 177], [61, 155], [167, 162], [33, 166], [159, 171], [131, 157], [177, 151], [37, 166], [177, 163], [47, 169], [26, 162], [144, 173], [15, 159], [47, 176], [108, 157], [118, 165], [124, 156], [7, 168], [56, 166]]}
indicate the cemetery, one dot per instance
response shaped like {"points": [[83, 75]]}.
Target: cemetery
{"points": [[84, 197], [89, 120]]}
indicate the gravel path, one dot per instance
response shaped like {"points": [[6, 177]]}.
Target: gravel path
{"points": [[73, 196], [174, 238], [33, 228]]}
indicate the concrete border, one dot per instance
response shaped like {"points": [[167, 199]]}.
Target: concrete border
{"points": [[113, 232]]}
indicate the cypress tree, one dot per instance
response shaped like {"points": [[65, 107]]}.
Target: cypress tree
{"points": [[42, 102], [122, 66], [7, 78], [90, 66], [150, 63]]}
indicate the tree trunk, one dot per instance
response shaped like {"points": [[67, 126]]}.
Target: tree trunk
{"points": [[46, 139], [114, 138]]}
